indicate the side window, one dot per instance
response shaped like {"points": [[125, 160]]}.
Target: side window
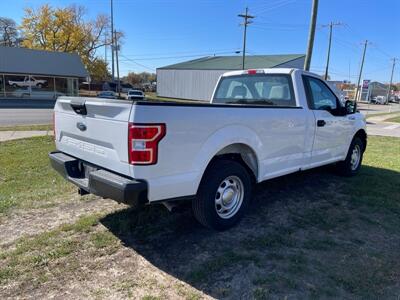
{"points": [[321, 97]]}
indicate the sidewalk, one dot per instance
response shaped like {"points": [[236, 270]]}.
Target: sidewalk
{"points": [[14, 135]]}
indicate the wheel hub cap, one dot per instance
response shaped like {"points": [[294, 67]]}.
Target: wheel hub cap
{"points": [[229, 197], [355, 157]]}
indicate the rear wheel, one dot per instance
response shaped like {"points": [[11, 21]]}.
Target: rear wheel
{"points": [[223, 195], [352, 164]]}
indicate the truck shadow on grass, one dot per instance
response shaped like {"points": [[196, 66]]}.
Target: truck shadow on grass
{"points": [[309, 234]]}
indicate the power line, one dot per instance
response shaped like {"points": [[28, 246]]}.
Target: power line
{"points": [[182, 52], [139, 64], [184, 56]]}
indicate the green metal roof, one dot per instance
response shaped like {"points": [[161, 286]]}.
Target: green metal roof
{"points": [[235, 62]]}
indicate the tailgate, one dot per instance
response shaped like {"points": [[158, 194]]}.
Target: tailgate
{"points": [[94, 130]]}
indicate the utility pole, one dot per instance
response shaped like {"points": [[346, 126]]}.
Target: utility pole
{"points": [[112, 42], [246, 22], [116, 55], [361, 68], [105, 47], [311, 34], [391, 80], [331, 24]]}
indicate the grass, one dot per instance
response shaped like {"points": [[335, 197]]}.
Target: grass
{"points": [[395, 119], [381, 114], [311, 235], [42, 127], [216, 264], [33, 256], [378, 185], [26, 178]]}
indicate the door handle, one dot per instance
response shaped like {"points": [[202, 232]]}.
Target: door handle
{"points": [[352, 118], [321, 123]]}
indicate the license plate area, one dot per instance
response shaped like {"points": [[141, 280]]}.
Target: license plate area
{"points": [[85, 169]]}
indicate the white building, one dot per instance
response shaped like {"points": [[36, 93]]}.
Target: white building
{"points": [[196, 79]]}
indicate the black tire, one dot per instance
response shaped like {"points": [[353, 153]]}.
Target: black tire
{"points": [[346, 168], [205, 207], [39, 85], [14, 85]]}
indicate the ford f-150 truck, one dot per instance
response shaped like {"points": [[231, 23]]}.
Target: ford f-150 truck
{"points": [[259, 124]]}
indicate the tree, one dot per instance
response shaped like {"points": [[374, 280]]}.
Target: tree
{"points": [[65, 30], [9, 34], [98, 69], [139, 78]]}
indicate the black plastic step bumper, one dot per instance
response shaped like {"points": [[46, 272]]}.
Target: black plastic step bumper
{"points": [[97, 181]]}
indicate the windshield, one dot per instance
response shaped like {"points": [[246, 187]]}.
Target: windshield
{"points": [[260, 89], [136, 93]]}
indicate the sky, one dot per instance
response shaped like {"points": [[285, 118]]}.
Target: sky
{"points": [[163, 32]]}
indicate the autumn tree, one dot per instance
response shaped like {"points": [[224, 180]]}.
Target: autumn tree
{"points": [[138, 78], [9, 34], [99, 70], [66, 30]]}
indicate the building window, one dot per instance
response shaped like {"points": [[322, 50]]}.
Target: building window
{"points": [[2, 85], [17, 86], [42, 87]]}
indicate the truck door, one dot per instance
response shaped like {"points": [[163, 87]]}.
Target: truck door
{"points": [[331, 131]]}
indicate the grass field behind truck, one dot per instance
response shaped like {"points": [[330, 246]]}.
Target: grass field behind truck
{"points": [[307, 235]]}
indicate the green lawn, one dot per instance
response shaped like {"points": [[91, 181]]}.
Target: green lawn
{"points": [[307, 235], [43, 127], [26, 178], [395, 119]]}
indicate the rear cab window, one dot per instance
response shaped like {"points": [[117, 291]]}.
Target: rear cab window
{"points": [[258, 89]]}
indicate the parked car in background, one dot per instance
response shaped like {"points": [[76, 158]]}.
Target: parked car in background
{"points": [[135, 95], [28, 81], [107, 95], [379, 100], [260, 124]]}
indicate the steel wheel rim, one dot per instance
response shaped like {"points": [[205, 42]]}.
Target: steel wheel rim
{"points": [[229, 197], [355, 157]]}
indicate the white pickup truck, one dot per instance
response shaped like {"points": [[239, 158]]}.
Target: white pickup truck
{"points": [[260, 124], [28, 82]]}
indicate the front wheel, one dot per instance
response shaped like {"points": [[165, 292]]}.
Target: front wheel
{"points": [[352, 164], [223, 195]]}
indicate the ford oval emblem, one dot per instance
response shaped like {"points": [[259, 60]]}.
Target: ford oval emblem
{"points": [[81, 126]]}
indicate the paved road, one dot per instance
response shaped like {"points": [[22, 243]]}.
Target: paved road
{"points": [[383, 129], [25, 116], [378, 126]]}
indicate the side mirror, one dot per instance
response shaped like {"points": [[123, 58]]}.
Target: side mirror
{"points": [[350, 107]]}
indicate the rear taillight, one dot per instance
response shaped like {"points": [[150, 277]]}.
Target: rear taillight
{"points": [[143, 142]]}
